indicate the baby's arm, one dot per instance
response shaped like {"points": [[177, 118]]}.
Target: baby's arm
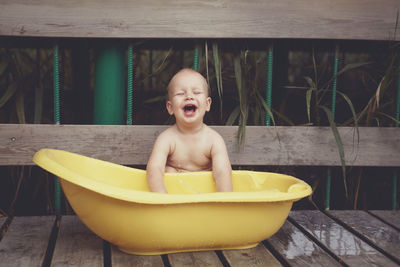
{"points": [[221, 166], [156, 165]]}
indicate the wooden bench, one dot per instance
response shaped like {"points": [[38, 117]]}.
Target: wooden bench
{"points": [[333, 238], [308, 237]]}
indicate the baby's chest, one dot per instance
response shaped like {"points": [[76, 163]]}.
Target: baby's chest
{"points": [[195, 152]]}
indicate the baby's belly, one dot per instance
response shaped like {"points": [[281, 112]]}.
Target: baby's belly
{"points": [[169, 168]]}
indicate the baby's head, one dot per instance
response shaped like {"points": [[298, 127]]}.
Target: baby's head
{"points": [[187, 74], [188, 96]]}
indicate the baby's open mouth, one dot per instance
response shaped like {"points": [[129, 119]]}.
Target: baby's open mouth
{"points": [[189, 109]]}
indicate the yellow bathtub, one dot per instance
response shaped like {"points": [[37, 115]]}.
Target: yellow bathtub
{"points": [[115, 203]]}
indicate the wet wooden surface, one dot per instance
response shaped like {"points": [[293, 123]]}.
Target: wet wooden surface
{"points": [[308, 238], [345, 245], [293, 245], [392, 217], [297, 145], [381, 234]]}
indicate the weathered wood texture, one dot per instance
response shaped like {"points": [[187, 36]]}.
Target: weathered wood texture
{"points": [[324, 19], [2, 221], [197, 259], [384, 236], [122, 259], [349, 248], [390, 216], [77, 245], [298, 250], [257, 256], [26, 240], [305, 146]]}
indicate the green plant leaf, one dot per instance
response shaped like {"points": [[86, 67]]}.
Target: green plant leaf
{"points": [[308, 103], [233, 116], [218, 75], [266, 108], [161, 98], [339, 144], [8, 94], [3, 67], [20, 107], [352, 66], [353, 112], [38, 105], [389, 117]]}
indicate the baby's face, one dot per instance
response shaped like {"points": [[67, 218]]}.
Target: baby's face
{"points": [[188, 97]]}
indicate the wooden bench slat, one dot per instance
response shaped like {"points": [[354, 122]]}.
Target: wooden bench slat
{"points": [[25, 242], [198, 259], [383, 235], [344, 244], [341, 19], [303, 146], [298, 249], [257, 256], [119, 258], [76, 245], [390, 216]]}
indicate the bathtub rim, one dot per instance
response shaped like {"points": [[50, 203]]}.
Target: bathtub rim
{"points": [[41, 158]]}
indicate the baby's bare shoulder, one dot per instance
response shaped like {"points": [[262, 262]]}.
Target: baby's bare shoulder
{"points": [[213, 133]]}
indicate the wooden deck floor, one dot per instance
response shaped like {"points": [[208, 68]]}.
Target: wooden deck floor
{"points": [[308, 238]]}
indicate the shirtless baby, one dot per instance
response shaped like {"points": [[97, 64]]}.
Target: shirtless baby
{"points": [[189, 145]]}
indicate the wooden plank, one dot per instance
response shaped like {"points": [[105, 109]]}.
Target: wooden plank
{"points": [[390, 216], [381, 234], [198, 259], [26, 240], [324, 19], [349, 248], [257, 256], [298, 249], [302, 146], [77, 245], [119, 258]]}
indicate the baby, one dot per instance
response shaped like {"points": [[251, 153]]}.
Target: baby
{"points": [[189, 145]]}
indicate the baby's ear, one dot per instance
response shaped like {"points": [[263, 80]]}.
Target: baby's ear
{"points": [[209, 100], [169, 107]]}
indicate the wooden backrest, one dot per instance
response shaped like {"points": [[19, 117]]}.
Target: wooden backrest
{"points": [[321, 19], [302, 146]]}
